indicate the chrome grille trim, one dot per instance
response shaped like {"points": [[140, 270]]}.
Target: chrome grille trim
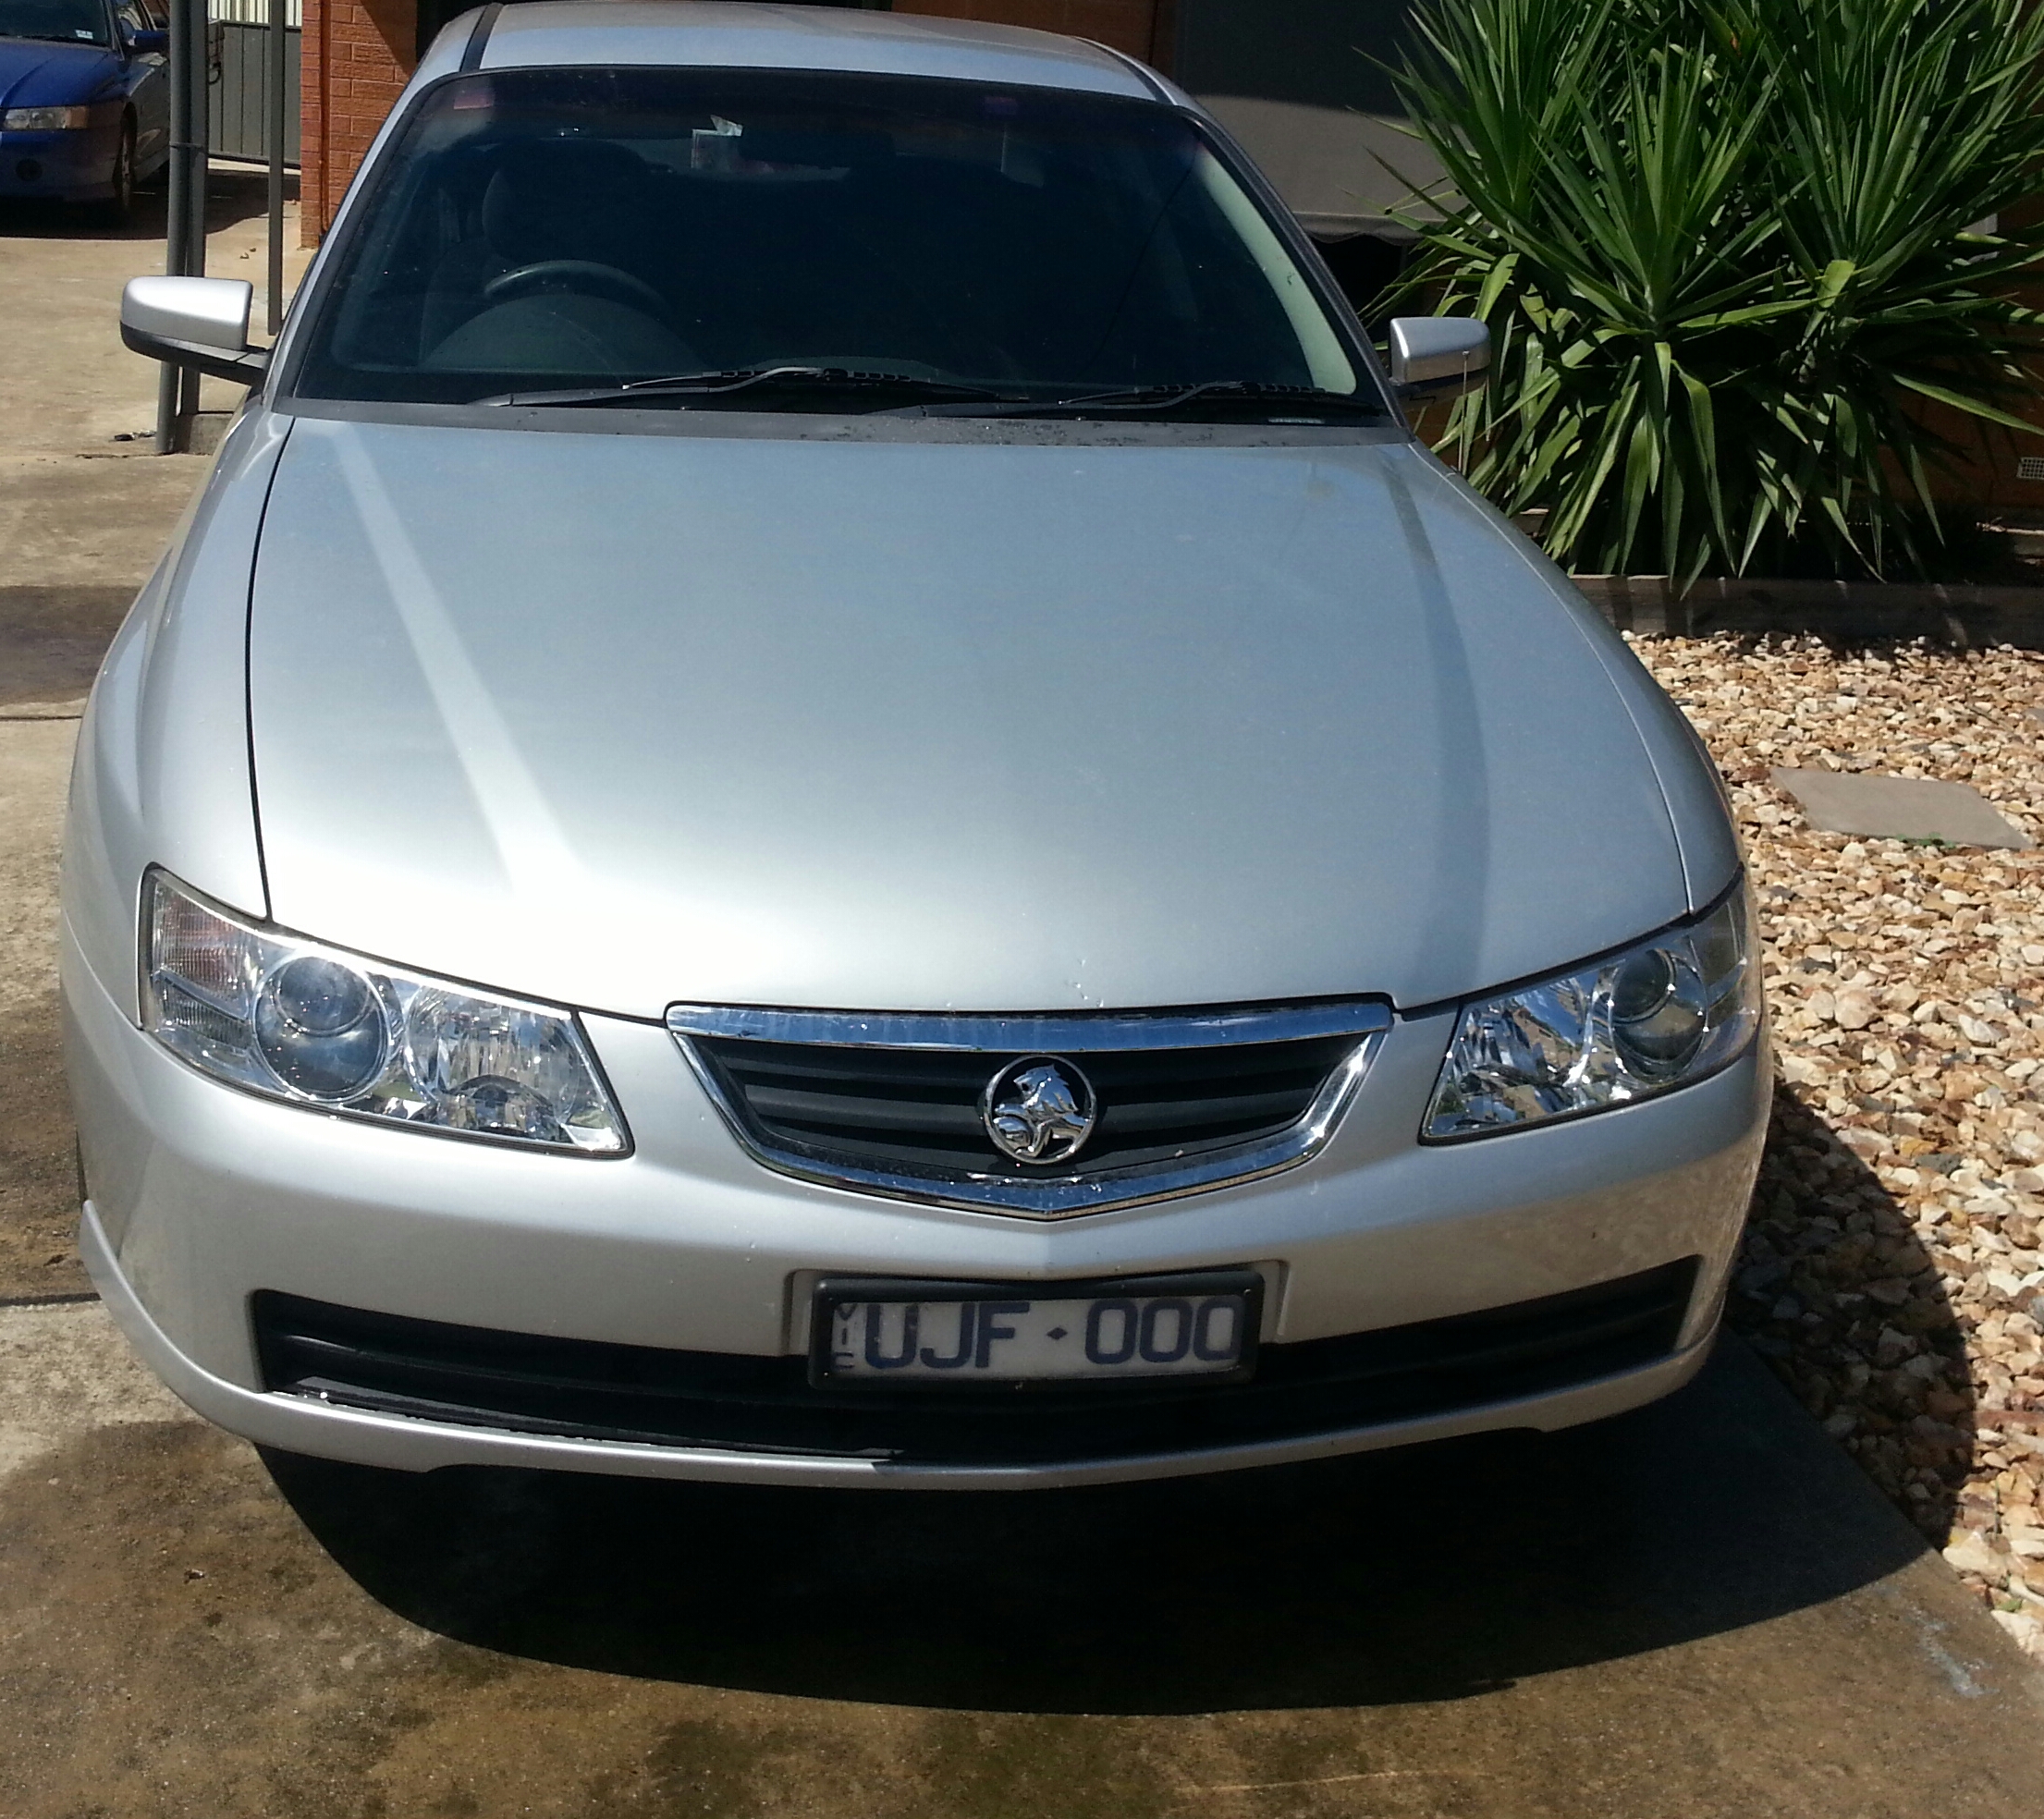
{"points": [[1082, 1033], [1046, 1196]]}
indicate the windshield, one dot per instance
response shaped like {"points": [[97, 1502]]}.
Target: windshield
{"points": [[544, 228], [64, 21]]}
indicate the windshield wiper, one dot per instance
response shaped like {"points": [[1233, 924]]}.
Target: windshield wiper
{"points": [[738, 379], [1272, 401]]}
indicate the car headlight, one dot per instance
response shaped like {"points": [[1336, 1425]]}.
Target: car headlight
{"points": [[45, 119], [1678, 1006], [279, 1015]]}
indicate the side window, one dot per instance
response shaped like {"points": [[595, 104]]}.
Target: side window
{"points": [[129, 17]]}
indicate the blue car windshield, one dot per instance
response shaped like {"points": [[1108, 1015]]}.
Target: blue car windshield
{"points": [[595, 227], [60, 21]]}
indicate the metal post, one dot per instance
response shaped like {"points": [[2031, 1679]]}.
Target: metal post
{"points": [[202, 79], [166, 409], [198, 71], [273, 122], [178, 215], [185, 226]]}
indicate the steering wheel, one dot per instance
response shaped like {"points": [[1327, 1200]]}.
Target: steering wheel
{"points": [[582, 274]]}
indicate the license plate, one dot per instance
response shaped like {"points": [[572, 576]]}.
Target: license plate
{"points": [[897, 1334]]}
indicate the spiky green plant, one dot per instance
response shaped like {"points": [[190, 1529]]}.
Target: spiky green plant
{"points": [[1735, 258]]}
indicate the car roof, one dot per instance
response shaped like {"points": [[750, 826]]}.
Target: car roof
{"points": [[739, 35]]}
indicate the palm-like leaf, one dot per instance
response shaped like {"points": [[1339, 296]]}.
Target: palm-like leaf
{"points": [[1727, 249]]}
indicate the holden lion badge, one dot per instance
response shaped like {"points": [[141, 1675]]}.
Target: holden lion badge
{"points": [[1039, 1109]]}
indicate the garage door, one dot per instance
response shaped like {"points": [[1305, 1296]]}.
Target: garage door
{"points": [[1128, 25]]}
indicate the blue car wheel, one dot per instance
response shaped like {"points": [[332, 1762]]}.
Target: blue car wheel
{"points": [[121, 179]]}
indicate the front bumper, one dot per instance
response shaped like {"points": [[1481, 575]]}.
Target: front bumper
{"points": [[302, 1425], [73, 165], [203, 1198]]}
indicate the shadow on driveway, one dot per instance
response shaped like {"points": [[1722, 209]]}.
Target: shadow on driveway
{"points": [[232, 196], [52, 640], [1427, 1574], [1838, 1292]]}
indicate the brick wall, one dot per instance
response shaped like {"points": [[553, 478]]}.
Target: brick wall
{"points": [[358, 57]]}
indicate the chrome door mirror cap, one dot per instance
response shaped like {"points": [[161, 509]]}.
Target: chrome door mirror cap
{"points": [[193, 321], [1438, 357], [206, 312]]}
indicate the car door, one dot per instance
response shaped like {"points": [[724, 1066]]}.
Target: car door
{"points": [[147, 81]]}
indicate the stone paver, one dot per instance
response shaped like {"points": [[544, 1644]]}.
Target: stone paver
{"points": [[1894, 808]]}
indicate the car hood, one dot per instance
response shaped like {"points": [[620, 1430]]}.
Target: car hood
{"points": [[621, 720], [35, 73]]}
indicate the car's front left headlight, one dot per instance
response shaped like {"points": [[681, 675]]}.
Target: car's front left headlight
{"points": [[277, 1014], [1675, 1007], [45, 119]]}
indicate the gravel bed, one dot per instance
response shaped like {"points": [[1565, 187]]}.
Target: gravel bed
{"points": [[1892, 1272]]}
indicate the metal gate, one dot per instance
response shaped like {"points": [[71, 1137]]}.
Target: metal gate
{"points": [[235, 33]]}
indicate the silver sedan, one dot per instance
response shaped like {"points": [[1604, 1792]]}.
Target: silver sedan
{"points": [[824, 794]]}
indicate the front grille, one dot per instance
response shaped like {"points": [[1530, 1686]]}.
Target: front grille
{"points": [[894, 1104], [895, 1107], [585, 1389]]}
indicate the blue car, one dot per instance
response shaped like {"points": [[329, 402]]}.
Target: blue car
{"points": [[84, 100]]}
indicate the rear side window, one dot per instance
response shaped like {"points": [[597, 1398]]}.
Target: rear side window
{"points": [[560, 227]]}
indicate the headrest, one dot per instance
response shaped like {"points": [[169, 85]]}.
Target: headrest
{"points": [[553, 198]]}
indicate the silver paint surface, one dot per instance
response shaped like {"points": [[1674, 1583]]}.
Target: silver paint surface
{"points": [[162, 772], [764, 37], [621, 721], [203, 1196], [214, 313], [945, 719]]}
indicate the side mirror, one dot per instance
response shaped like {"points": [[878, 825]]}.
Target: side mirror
{"points": [[148, 43], [1438, 357], [194, 322]]}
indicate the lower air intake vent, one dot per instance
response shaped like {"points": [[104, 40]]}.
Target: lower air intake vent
{"points": [[583, 1390]]}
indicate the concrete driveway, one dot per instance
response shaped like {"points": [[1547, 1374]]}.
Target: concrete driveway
{"points": [[1702, 1609]]}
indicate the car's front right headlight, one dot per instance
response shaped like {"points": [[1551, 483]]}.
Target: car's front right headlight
{"points": [[1666, 1012], [45, 119], [321, 1028]]}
